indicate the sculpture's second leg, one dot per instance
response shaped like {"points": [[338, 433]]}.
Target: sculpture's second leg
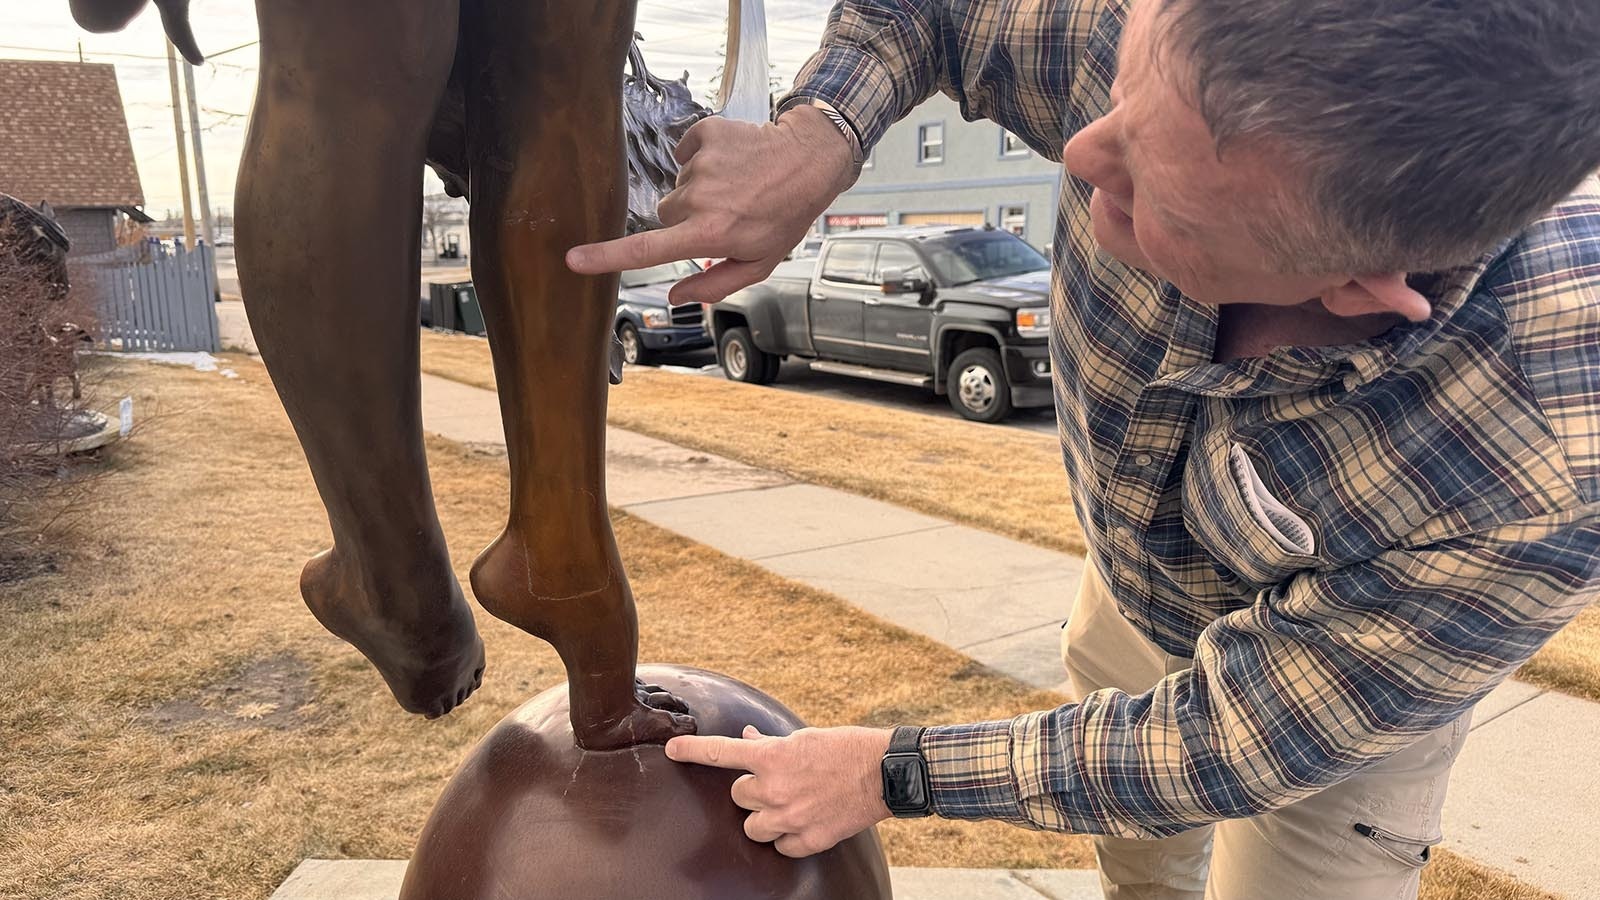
{"points": [[329, 214], [544, 136]]}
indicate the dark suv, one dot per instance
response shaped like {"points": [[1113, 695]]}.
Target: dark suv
{"points": [[646, 324]]}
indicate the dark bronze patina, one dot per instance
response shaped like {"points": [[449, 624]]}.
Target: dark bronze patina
{"points": [[531, 815], [517, 104]]}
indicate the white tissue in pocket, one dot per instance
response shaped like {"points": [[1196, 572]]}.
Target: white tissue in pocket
{"points": [[1291, 531]]}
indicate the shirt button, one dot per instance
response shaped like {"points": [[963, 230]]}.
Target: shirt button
{"points": [[1143, 460]]}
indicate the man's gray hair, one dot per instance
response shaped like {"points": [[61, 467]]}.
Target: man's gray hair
{"points": [[1428, 130]]}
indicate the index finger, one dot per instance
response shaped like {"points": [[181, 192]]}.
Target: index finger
{"points": [[636, 251], [712, 750]]}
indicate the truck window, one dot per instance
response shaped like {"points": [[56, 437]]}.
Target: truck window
{"points": [[964, 257], [898, 256], [850, 262]]}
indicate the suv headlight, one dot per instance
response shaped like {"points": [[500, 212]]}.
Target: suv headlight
{"points": [[1034, 322], [655, 318]]}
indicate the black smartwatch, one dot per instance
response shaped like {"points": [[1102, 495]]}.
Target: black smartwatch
{"points": [[905, 775]]}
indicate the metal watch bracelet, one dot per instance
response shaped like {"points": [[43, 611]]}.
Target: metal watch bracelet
{"points": [[857, 154]]}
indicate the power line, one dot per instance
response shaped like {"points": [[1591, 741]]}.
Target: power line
{"points": [[140, 56], [210, 56]]}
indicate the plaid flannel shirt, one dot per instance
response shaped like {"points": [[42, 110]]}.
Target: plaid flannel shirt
{"points": [[1354, 544]]}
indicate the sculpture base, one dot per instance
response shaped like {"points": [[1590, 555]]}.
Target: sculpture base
{"points": [[529, 814]]}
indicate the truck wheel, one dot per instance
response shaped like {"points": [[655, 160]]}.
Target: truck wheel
{"points": [[977, 386], [742, 361], [634, 352]]}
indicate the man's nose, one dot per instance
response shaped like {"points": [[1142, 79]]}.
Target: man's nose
{"points": [[1094, 154]]}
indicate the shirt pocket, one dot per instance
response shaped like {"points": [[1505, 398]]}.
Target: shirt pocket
{"points": [[1248, 527]]}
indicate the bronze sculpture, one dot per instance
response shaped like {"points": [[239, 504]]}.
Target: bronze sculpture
{"points": [[627, 824], [518, 106]]}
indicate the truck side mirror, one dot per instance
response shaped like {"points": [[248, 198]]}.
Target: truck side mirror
{"points": [[895, 281]]}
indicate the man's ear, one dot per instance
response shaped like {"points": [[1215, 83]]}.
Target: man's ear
{"points": [[1368, 294]]}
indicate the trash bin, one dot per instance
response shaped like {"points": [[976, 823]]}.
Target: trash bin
{"points": [[469, 316], [442, 303], [453, 306]]}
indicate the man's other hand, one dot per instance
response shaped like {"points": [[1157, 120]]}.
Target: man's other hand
{"points": [[748, 193], [805, 792]]}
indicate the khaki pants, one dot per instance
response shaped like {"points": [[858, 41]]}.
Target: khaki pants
{"points": [[1310, 850]]}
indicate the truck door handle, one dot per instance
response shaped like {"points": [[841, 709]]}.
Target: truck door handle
{"points": [[871, 302]]}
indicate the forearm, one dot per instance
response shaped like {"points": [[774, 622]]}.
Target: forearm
{"points": [[877, 60], [1320, 677], [1011, 61]]}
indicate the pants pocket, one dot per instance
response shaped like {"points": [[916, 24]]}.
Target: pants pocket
{"points": [[1408, 851]]}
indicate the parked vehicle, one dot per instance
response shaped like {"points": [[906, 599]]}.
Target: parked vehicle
{"points": [[963, 311], [646, 324]]}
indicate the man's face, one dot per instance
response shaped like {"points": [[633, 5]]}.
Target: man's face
{"points": [[1163, 202]]}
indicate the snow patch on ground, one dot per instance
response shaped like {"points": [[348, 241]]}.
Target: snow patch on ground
{"points": [[199, 360]]}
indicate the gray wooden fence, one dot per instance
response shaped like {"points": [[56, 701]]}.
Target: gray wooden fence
{"points": [[151, 297]]}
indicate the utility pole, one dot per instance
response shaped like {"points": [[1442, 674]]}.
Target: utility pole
{"points": [[183, 155], [206, 229]]}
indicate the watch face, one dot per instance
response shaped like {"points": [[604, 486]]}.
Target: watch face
{"points": [[904, 787]]}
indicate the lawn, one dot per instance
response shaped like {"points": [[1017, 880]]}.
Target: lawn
{"points": [[1014, 485]]}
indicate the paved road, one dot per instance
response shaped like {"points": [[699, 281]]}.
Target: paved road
{"points": [[795, 375]]}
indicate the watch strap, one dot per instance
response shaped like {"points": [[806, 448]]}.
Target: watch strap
{"points": [[906, 739]]}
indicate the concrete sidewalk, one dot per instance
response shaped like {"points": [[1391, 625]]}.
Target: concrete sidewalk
{"points": [[1525, 790], [379, 879], [999, 601]]}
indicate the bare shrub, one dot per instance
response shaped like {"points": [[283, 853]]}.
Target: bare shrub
{"points": [[43, 324]]}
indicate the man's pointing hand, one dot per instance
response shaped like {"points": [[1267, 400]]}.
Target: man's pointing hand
{"points": [[805, 792], [747, 193]]}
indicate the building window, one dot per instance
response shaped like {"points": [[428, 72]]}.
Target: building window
{"points": [[1014, 219], [1011, 145], [930, 143]]}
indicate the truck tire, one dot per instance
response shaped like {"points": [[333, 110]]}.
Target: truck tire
{"points": [[634, 352], [743, 361], [978, 387]]}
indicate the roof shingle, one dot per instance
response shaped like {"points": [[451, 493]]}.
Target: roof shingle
{"points": [[64, 136]]}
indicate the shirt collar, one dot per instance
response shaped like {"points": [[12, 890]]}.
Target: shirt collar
{"points": [[1288, 370]]}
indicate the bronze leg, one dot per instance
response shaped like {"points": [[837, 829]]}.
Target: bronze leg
{"points": [[328, 235], [544, 136]]}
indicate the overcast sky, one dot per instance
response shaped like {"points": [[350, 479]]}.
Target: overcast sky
{"points": [[679, 35]]}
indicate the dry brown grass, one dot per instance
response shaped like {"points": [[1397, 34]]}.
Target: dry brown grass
{"points": [[1014, 486], [1452, 877]]}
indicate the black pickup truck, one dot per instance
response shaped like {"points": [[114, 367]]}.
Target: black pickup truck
{"points": [[964, 311]]}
